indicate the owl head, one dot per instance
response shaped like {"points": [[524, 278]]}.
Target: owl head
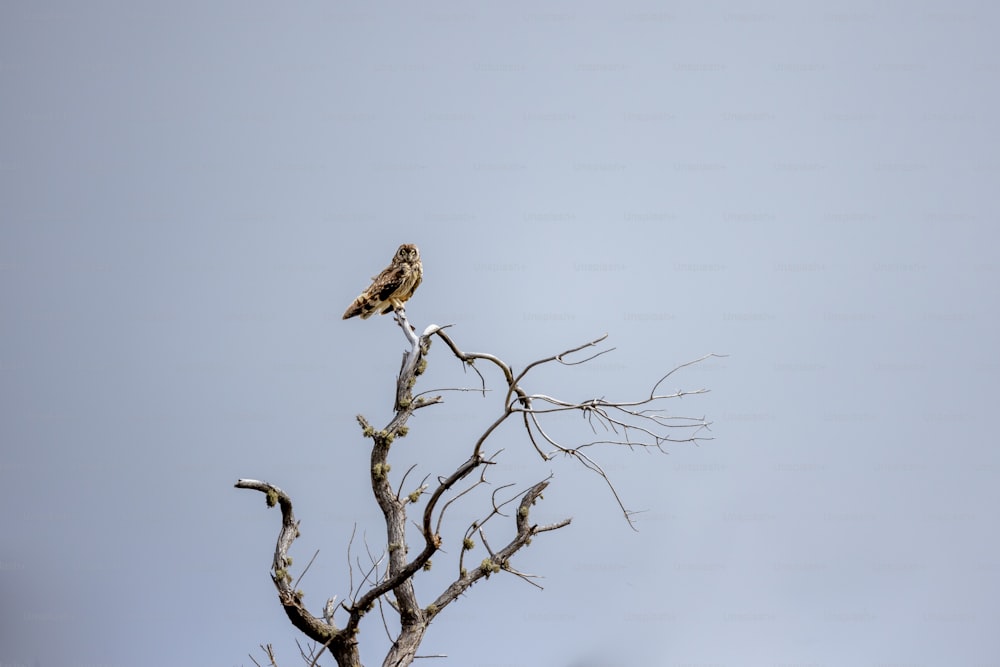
{"points": [[407, 253]]}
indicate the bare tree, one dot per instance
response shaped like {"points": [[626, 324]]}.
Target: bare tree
{"points": [[387, 579]]}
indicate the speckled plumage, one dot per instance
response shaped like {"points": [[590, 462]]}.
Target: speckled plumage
{"points": [[391, 288]]}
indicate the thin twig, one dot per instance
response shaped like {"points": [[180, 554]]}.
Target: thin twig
{"points": [[399, 490], [308, 565], [350, 567]]}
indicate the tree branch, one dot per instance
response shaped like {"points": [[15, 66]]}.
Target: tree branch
{"points": [[499, 560], [343, 646], [638, 421]]}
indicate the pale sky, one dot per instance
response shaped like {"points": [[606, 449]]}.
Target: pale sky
{"points": [[193, 194]]}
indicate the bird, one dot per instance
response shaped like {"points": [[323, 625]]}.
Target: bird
{"points": [[391, 288]]}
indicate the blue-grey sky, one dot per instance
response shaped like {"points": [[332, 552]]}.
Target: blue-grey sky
{"points": [[192, 195]]}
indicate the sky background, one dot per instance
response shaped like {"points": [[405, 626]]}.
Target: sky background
{"points": [[193, 194]]}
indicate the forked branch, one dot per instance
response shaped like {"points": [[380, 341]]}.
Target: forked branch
{"points": [[641, 423]]}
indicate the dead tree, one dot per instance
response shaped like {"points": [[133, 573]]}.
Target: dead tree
{"points": [[388, 583]]}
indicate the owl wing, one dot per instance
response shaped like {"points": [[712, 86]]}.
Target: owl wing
{"points": [[387, 283], [399, 285], [377, 296]]}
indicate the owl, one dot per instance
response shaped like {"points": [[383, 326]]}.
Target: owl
{"points": [[391, 288]]}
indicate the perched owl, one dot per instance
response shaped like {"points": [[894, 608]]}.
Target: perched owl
{"points": [[392, 287]]}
